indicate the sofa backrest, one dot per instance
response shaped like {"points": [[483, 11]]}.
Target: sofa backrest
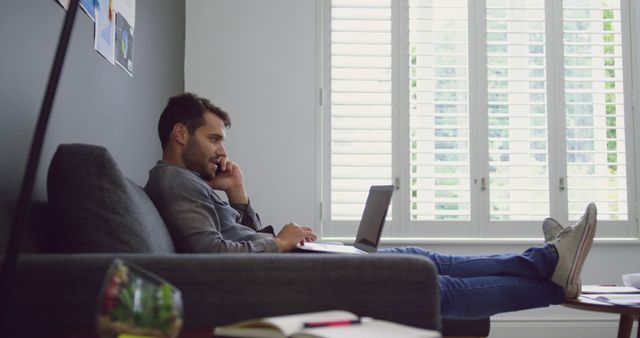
{"points": [[95, 208]]}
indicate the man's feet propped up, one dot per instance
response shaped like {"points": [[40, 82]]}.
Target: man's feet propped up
{"points": [[573, 245]]}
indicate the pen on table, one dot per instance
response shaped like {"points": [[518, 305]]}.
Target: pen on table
{"points": [[332, 323]]}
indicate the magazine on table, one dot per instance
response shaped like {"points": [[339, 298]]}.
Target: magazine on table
{"points": [[626, 299], [608, 289]]}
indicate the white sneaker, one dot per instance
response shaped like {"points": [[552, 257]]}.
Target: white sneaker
{"points": [[573, 244], [551, 228]]}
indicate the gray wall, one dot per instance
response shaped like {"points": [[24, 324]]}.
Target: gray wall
{"points": [[97, 102], [257, 60]]}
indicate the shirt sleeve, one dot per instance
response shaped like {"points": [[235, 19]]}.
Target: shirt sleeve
{"points": [[248, 216], [194, 224]]}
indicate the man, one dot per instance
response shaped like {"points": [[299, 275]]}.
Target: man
{"points": [[195, 162], [192, 133]]}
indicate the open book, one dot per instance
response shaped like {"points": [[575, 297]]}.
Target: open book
{"points": [[346, 325]]}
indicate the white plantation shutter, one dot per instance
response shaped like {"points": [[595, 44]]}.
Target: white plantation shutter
{"points": [[488, 115], [439, 110], [594, 107], [517, 112], [360, 103]]}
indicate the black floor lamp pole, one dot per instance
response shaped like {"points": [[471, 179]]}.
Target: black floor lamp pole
{"points": [[21, 213]]}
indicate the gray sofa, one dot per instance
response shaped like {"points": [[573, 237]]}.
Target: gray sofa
{"points": [[95, 214]]}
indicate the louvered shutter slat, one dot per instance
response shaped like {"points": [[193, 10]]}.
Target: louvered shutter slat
{"points": [[439, 115], [594, 107], [360, 103]]}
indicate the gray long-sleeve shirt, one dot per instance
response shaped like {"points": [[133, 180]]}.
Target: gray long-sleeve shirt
{"points": [[198, 220]]}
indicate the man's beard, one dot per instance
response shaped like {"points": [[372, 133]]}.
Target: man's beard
{"points": [[195, 160]]}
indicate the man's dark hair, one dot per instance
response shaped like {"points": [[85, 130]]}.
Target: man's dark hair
{"points": [[188, 109]]}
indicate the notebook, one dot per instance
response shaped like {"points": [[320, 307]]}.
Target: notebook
{"points": [[325, 324], [370, 229]]}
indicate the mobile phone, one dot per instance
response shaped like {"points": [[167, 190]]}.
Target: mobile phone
{"points": [[218, 169]]}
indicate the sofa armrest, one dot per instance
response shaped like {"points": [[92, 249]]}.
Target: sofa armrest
{"points": [[59, 292]]}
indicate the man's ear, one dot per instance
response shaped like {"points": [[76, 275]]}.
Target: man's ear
{"points": [[180, 133]]}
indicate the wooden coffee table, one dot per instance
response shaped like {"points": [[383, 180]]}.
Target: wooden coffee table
{"points": [[628, 314]]}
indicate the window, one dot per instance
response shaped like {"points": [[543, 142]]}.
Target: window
{"points": [[488, 116], [439, 111], [517, 110], [360, 104], [594, 107]]}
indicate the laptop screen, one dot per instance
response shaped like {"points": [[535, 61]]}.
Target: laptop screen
{"points": [[373, 217]]}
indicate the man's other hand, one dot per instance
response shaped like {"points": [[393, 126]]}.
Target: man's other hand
{"points": [[292, 234]]}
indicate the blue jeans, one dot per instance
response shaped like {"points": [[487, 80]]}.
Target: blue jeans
{"points": [[474, 287]]}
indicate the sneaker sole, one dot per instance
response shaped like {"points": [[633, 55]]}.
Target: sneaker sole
{"points": [[585, 245]]}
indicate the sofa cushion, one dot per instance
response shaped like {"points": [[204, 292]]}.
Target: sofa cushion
{"points": [[97, 209]]}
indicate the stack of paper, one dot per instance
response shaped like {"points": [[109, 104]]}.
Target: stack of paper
{"points": [[617, 295]]}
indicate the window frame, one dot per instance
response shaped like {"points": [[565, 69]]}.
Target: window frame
{"points": [[479, 226]]}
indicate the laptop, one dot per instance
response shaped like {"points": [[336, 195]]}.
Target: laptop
{"points": [[370, 229]]}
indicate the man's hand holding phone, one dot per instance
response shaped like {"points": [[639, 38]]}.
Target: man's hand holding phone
{"points": [[229, 179]]}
